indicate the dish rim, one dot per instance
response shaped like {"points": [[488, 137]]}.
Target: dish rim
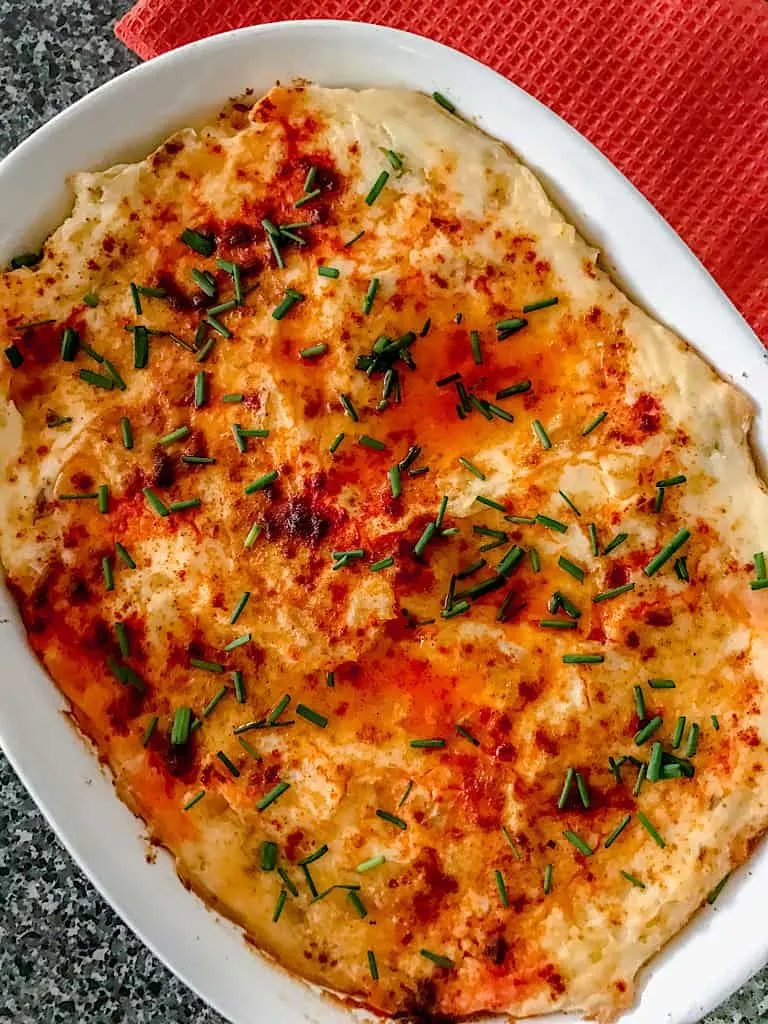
{"points": [[741, 354]]}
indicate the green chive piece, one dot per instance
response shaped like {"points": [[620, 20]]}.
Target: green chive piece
{"points": [[106, 567], [570, 567], [241, 603], [569, 502], [506, 328], [578, 842], [52, 419], [395, 159], [313, 351], [640, 779], [583, 659], [618, 539], [467, 735], [136, 299], [123, 554], [278, 709], [531, 307], [70, 340], [311, 716], [444, 102], [535, 564], [370, 295], [214, 701], [291, 298], [653, 774], [328, 271], [666, 552], [512, 844], [309, 181], [490, 502], [122, 639], [659, 500], [288, 883], [595, 423], [608, 595], [233, 399], [441, 512], [513, 389], [472, 468], [237, 679], [182, 506], [219, 327], [202, 244], [456, 609], [715, 722], [368, 865], [268, 855], [392, 819], [436, 958], [274, 793], [681, 569], [79, 497], [175, 435], [282, 897], [406, 793], [640, 703], [614, 835], [232, 768], [760, 571], [353, 239], [205, 351], [431, 744], [98, 380], [223, 307], [349, 408], [152, 725], [650, 829], [477, 354], [383, 563], [335, 444], [156, 502], [114, 374], [394, 481], [592, 529], [252, 534], [424, 539], [758, 584], [91, 299], [248, 748], [376, 188], [307, 198], [199, 394], [371, 442], [25, 259], [315, 855], [661, 684], [718, 889], [262, 483], [633, 880], [581, 785], [195, 800], [551, 524], [205, 281], [372, 965], [501, 886], [678, 734], [354, 898], [547, 879], [693, 740], [564, 793], [207, 666], [182, 720], [647, 730], [103, 493], [672, 481]]}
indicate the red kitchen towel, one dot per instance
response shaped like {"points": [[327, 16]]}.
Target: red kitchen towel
{"points": [[674, 92]]}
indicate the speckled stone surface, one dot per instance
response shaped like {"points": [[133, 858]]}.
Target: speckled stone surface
{"points": [[65, 958]]}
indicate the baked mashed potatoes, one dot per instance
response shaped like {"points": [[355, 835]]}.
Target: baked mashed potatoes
{"points": [[406, 575]]}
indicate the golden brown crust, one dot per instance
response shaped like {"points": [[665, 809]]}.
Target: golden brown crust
{"points": [[462, 235]]}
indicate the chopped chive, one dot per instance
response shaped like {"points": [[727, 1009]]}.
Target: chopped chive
{"points": [[424, 539], [758, 584], [513, 389], [307, 198], [376, 188], [564, 793], [441, 512], [512, 844], [349, 409], [258, 432], [234, 398], [106, 568], [85, 496], [370, 295], [661, 684], [531, 307], [219, 327], [309, 181], [223, 307], [278, 709], [372, 965], [503, 610], [368, 865], [633, 880], [371, 442], [406, 793], [152, 725], [98, 380], [311, 716], [103, 499], [136, 299], [678, 734], [658, 502], [214, 701], [570, 567], [291, 298], [640, 703], [557, 624], [202, 244], [653, 773], [262, 483], [595, 423], [681, 569], [274, 793], [436, 958], [693, 740], [581, 785], [535, 563], [205, 281], [578, 842], [383, 563], [282, 897], [551, 524], [353, 239], [392, 819], [618, 539], [238, 610], [315, 855], [467, 735], [208, 666], [252, 534], [456, 609], [445, 381], [481, 407], [70, 340], [608, 595], [198, 460], [232, 768], [91, 299], [394, 481], [715, 722], [395, 159], [614, 835], [500, 885], [718, 889], [472, 468], [650, 829], [123, 554], [268, 855], [175, 435], [444, 102], [199, 391], [354, 898], [182, 720], [477, 354], [666, 552], [429, 744], [52, 419], [425, 327], [647, 730], [288, 883], [547, 879], [490, 503], [204, 352], [672, 481], [583, 659], [569, 502], [760, 571], [122, 639], [594, 547], [156, 502], [335, 444], [195, 800]]}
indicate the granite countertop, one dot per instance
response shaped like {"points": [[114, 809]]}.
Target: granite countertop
{"points": [[65, 957]]}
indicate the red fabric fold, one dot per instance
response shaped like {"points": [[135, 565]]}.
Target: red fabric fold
{"points": [[674, 92]]}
